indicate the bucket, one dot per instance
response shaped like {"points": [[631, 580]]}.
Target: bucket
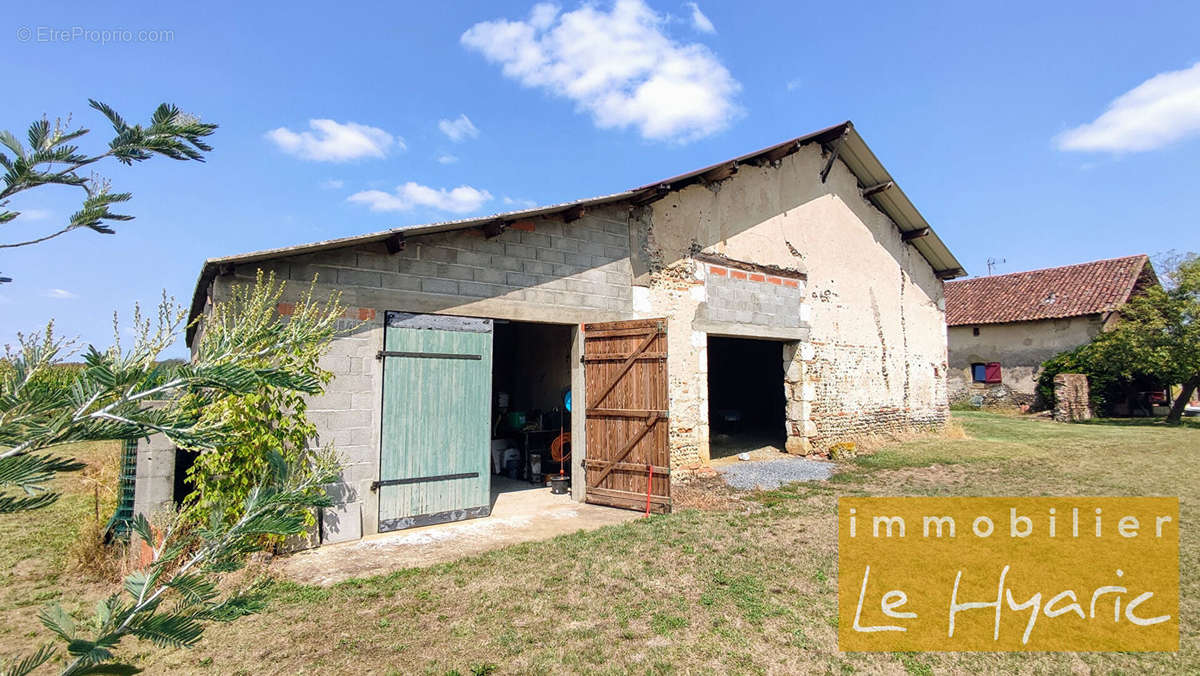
{"points": [[515, 420], [558, 485], [511, 463], [498, 446]]}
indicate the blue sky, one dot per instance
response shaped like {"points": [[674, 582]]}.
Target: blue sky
{"points": [[1035, 133]]}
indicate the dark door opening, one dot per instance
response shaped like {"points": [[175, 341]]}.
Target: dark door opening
{"points": [[746, 408], [531, 376]]}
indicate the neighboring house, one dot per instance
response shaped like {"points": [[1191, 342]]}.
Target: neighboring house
{"points": [[1003, 327], [800, 276]]}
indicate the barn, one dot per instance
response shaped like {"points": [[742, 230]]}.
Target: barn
{"points": [[791, 296], [1003, 327]]}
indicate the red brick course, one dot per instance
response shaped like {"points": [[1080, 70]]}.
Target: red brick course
{"points": [[362, 314]]}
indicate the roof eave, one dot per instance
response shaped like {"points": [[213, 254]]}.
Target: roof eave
{"points": [[990, 322], [850, 146]]}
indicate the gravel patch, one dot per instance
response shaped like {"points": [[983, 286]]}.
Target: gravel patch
{"points": [[771, 474]]}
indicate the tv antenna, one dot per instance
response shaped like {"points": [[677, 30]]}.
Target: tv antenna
{"points": [[992, 263]]}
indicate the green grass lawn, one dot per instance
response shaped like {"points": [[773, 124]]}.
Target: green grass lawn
{"points": [[748, 588]]}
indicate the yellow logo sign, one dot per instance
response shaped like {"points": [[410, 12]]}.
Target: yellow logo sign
{"points": [[1008, 574]]}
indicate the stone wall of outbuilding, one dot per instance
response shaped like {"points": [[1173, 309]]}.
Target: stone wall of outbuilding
{"points": [[1020, 348], [872, 354]]}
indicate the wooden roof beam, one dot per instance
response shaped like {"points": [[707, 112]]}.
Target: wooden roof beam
{"points": [[950, 273], [495, 228], [779, 153], [652, 195], [574, 213], [719, 173], [834, 148], [395, 243], [878, 188], [914, 234]]}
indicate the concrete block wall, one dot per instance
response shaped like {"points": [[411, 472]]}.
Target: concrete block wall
{"points": [[537, 264], [347, 417], [747, 297], [154, 489], [540, 270]]}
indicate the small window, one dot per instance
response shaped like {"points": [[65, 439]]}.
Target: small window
{"points": [[975, 331], [986, 373]]}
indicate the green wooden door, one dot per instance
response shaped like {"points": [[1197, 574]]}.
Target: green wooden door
{"points": [[434, 459]]}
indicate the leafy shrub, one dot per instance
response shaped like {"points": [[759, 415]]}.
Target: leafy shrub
{"points": [[1106, 384], [268, 422]]}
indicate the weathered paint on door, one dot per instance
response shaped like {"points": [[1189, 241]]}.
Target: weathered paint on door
{"points": [[628, 449], [434, 456]]}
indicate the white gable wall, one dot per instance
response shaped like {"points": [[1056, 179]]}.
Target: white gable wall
{"points": [[875, 358]]}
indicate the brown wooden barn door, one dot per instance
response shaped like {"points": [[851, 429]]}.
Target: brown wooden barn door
{"points": [[628, 452]]}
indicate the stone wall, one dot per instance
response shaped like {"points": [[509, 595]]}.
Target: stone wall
{"points": [[1019, 347], [675, 293], [1072, 402], [872, 354]]}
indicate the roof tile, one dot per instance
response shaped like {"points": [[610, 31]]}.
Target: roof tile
{"points": [[1052, 293]]}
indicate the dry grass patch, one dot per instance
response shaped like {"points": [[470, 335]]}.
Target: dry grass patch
{"points": [[706, 493], [51, 555]]}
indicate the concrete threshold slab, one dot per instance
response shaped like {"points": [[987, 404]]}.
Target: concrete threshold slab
{"points": [[526, 515]]}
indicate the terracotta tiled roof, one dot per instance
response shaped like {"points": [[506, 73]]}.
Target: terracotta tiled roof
{"points": [[1069, 291]]}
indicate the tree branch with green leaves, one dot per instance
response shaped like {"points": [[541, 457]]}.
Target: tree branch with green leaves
{"points": [[1155, 340], [246, 350], [169, 601], [52, 158], [1159, 331]]}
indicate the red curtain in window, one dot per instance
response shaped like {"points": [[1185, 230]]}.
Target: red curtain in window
{"points": [[991, 373]]}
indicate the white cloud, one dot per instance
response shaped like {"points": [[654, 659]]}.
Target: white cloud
{"points": [[333, 184], [459, 129], [517, 203], [59, 293], [618, 66], [332, 141], [461, 200], [447, 159], [34, 214], [699, 21], [794, 84], [1154, 114]]}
